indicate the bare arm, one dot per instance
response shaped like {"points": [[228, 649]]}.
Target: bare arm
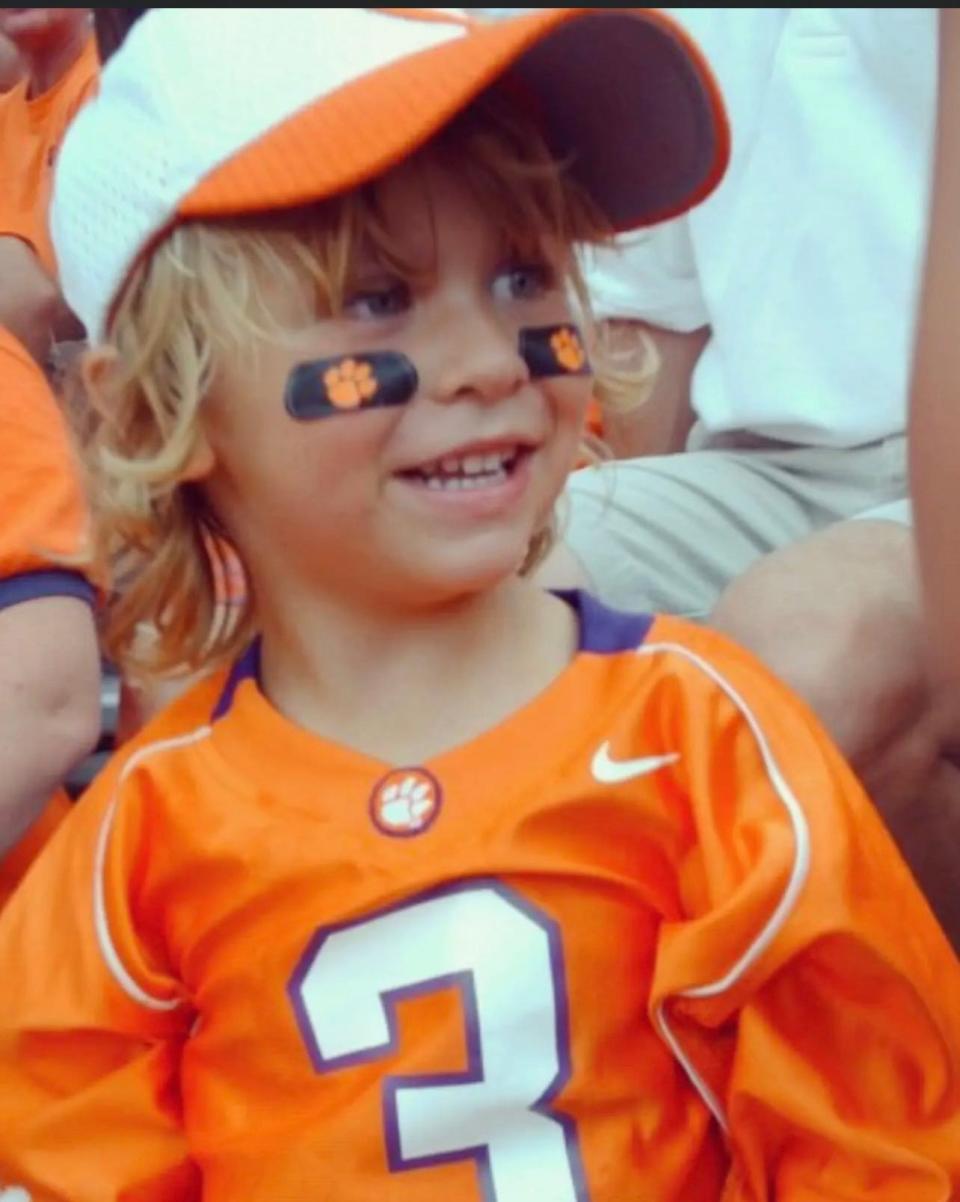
{"points": [[49, 704], [11, 64], [935, 394], [658, 424], [31, 307]]}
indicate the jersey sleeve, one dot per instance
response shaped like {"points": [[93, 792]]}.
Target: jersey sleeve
{"points": [[648, 276], [41, 495], [807, 992], [92, 1021]]}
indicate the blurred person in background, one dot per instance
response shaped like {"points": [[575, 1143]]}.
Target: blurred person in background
{"points": [[935, 411], [51, 69], [763, 488], [49, 660]]}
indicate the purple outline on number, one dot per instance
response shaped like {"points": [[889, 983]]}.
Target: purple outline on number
{"points": [[474, 1072], [464, 982]]}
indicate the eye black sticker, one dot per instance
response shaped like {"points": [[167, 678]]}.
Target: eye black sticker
{"points": [[350, 384], [554, 351]]}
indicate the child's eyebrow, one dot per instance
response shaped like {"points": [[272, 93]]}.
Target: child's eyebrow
{"points": [[376, 272], [528, 243], [374, 261]]}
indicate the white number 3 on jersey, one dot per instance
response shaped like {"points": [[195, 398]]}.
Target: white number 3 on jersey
{"points": [[506, 959]]}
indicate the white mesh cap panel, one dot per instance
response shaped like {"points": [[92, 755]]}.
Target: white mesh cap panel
{"points": [[190, 88]]}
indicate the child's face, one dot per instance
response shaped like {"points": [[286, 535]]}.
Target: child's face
{"points": [[357, 502]]}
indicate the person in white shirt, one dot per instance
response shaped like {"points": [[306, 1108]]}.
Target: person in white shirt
{"points": [[783, 312]]}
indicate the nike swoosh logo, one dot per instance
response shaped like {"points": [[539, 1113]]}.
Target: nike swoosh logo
{"points": [[614, 772]]}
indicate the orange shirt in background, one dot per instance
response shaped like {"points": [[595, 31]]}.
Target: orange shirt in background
{"points": [[31, 130], [42, 516], [43, 512]]}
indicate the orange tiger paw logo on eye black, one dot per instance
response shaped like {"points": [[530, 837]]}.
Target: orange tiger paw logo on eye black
{"points": [[568, 349], [359, 383], [350, 383], [553, 351]]}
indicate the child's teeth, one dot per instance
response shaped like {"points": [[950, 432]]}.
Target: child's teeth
{"points": [[457, 472], [451, 483]]}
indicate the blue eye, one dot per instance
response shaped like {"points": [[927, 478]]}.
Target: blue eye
{"points": [[524, 281], [373, 303]]}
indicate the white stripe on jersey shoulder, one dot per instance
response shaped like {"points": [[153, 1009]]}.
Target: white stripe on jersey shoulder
{"points": [[101, 923], [774, 924]]}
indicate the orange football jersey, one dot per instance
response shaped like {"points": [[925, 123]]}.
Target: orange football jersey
{"points": [[643, 941]]}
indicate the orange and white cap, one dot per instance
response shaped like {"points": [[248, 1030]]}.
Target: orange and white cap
{"points": [[215, 112]]}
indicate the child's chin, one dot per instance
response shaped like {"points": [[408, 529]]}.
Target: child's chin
{"points": [[466, 576]]}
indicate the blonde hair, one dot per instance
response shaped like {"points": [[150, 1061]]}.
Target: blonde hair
{"points": [[197, 296]]}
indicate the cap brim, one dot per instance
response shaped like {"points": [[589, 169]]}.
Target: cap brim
{"points": [[624, 92]]}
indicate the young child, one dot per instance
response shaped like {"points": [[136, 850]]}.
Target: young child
{"points": [[448, 888]]}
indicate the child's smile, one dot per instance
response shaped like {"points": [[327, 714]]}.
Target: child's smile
{"points": [[481, 479]]}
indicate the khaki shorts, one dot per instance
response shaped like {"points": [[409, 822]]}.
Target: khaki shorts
{"points": [[668, 533]]}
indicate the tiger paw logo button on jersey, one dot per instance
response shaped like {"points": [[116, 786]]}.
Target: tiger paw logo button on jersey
{"points": [[405, 802]]}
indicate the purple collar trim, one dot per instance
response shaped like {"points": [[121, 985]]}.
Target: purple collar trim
{"points": [[603, 631]]}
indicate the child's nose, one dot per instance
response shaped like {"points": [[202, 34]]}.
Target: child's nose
{"points": [[479, 358]]}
